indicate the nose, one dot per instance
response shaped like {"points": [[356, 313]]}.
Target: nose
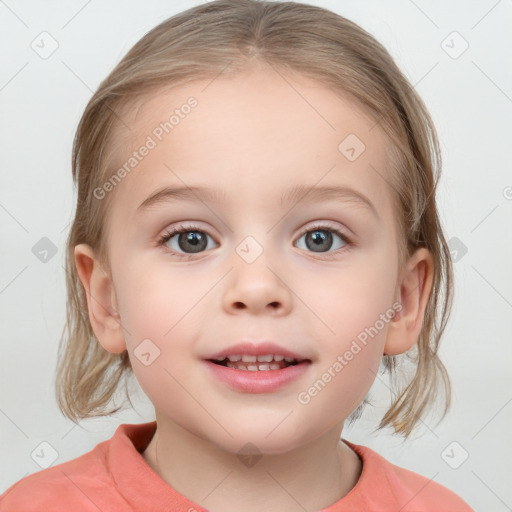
{"points": [[257, 288]]}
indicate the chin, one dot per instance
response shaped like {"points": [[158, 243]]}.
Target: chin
{"points": [[259, 439]]}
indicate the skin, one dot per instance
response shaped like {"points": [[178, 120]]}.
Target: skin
{"points": [[254, 135]]}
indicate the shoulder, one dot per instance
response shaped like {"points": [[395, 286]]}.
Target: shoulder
{"points": [[409, 491], [424, 491], [70, 485], [104, 478]]}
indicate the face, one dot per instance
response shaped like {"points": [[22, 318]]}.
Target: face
{"points": [[264, 256]]}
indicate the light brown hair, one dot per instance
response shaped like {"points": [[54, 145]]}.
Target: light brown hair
{"points": [[225, 36]]}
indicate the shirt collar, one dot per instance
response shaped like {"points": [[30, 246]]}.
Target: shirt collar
{"points": [[141, 486]]}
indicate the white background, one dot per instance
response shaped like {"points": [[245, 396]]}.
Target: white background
{"points": [[470, 98]]}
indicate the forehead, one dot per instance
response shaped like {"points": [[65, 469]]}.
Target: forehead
{"points": [[251, 135]]}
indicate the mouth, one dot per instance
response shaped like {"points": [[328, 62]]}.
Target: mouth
{"points": [[255, 374], [251, 363]]}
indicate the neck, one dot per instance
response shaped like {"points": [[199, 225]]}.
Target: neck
{"points": [[310, 477]]}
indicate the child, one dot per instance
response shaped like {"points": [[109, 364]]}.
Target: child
{"points": [[255, 131]]}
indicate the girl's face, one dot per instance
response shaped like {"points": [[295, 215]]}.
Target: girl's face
{"points": [[263, 260]]}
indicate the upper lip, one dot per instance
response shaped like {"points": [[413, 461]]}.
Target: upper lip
{"points": [[256, 349]]}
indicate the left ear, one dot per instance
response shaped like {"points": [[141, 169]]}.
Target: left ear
{"points": [[415, 285]]}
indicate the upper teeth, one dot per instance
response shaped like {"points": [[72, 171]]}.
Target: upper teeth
{"points": [[252, 359]]}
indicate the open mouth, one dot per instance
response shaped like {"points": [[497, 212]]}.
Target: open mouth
{"points": [[267, 362]]}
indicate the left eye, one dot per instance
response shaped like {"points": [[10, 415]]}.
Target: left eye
{"points": [[320, 239]]}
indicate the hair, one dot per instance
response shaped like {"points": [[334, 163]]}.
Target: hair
{"points": [[230, 36]]}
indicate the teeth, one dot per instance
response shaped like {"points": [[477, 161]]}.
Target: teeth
{"points": [[265, 359], [263, 362], [254, 367]]}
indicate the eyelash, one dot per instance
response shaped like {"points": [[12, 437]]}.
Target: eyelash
{"points": [[317, 227]]}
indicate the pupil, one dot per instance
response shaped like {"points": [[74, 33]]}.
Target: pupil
{"points": [[195, 239], [319, 238]]}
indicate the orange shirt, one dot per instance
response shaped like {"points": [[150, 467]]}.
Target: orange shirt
{"points": [[115, 477]]}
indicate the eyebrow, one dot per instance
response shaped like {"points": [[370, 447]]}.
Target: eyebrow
{"points": [[294, 195]]}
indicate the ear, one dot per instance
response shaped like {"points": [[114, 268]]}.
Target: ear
{"points": [[101, 300], [415, 285]]}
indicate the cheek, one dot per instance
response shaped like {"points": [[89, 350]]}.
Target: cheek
{"points": [[349, 359], [352, 299], [158, 302], [160, 314], [355, 314], [162, 325]]}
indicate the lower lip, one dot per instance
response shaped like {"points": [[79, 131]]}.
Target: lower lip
{"points": [[261, 381]]}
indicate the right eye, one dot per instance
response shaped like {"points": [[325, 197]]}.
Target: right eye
{"points": [[189, 239]]}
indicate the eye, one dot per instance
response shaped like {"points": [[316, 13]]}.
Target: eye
{"points": [[320, 239], [189, 239]]}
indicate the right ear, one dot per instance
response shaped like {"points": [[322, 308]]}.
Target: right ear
{"points": [[101, 300]]}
